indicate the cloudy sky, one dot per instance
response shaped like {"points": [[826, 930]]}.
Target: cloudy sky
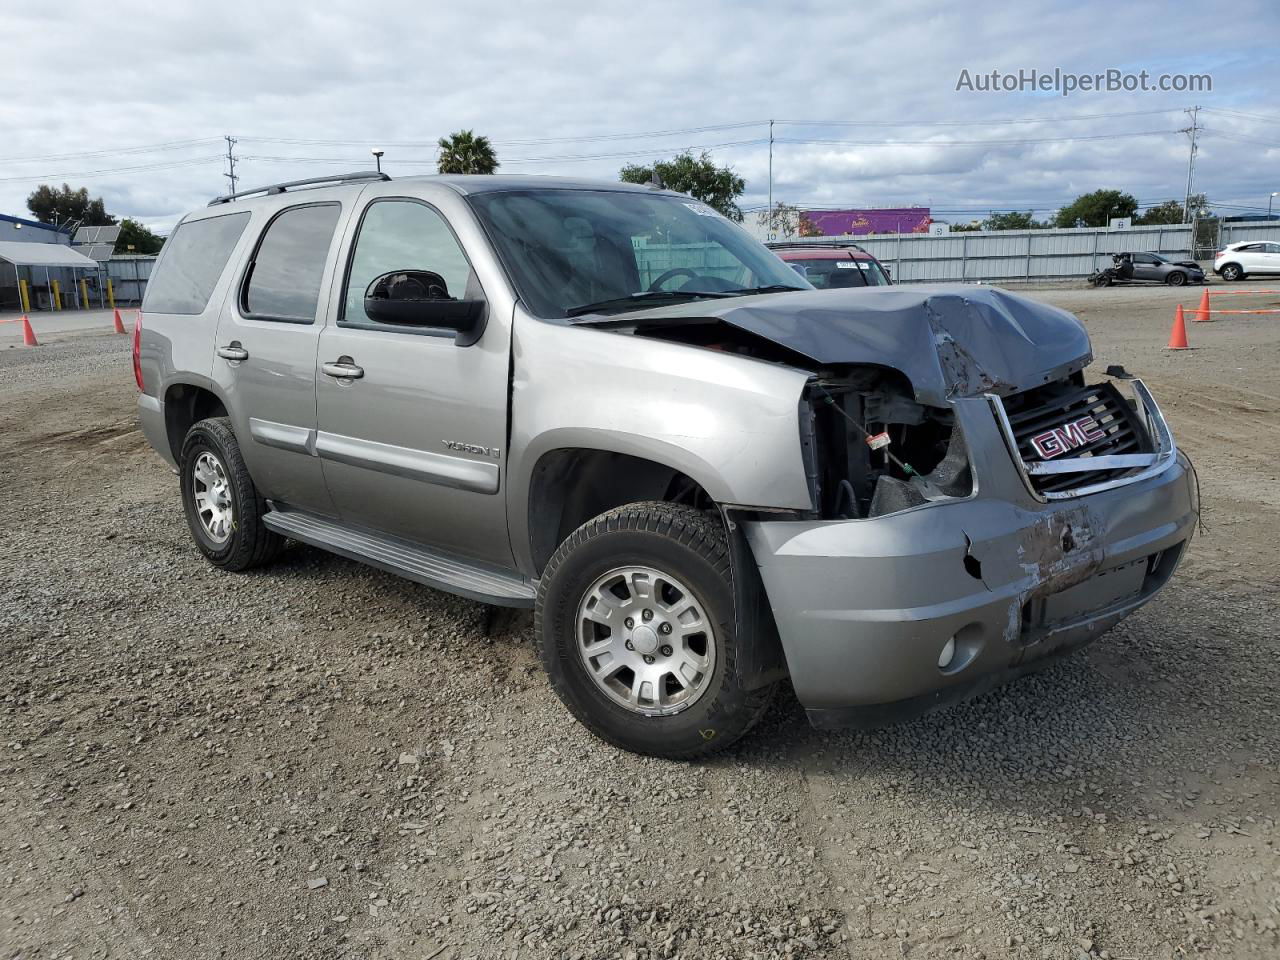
{"points": [[132, 99]]}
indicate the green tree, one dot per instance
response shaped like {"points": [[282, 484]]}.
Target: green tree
{"points": [[1173, 211], [782, 221], [1013, 220], [136, 238], [808, 226], [51, 205], [1096, 209], [699, 177], [464, 152]]}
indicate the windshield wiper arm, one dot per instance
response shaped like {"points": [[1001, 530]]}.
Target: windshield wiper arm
{"points": [[767, 288], [673, 296]]}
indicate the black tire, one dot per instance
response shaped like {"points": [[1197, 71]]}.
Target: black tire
{"points": [[249, 544], [677, 540], [1231, 272], [1176, 279]]}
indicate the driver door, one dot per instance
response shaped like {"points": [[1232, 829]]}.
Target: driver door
{"points": [[412, 427]]}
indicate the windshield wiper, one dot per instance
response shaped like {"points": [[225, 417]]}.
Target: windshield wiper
{"points": [[647, 296], [768, 288]]}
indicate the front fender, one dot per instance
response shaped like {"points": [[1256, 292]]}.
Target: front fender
{"points": [[728, 422]]}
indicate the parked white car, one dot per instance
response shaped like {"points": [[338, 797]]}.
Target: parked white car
{"points": [[1241, 260]]}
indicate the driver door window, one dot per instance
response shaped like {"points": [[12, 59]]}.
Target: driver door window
{"points": [[403, 235]]}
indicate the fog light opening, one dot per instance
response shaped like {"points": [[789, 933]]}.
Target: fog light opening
{"points": [[948, 654]]}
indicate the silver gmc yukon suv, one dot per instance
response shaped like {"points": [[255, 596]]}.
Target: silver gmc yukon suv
{"points": [[608, 403]]}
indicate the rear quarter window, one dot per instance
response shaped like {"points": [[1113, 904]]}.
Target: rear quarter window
{"points": [[193, 260]]}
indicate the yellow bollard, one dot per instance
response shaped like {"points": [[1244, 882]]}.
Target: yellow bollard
{"points": [[24, 296], [111, 295], [84, 294], [57, 294]]}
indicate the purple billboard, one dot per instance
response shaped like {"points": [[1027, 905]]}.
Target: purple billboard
{"points": [[843, 223]]}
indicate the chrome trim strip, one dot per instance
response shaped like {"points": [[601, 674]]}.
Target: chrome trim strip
{"points": [[438, 468], [1155, 463], [284, 436], [1119, 461]]}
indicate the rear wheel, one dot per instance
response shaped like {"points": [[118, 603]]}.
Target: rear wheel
{"points": [[1232, 271], [224, 510], [1176, 279], [635, 627]]}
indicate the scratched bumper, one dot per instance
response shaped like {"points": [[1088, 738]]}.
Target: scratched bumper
{"points": [[865, 607]]}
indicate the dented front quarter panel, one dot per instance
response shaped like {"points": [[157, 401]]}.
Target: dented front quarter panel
{"points": [[864, 607], [729, 422]]}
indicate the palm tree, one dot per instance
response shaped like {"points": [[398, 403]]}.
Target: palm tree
{"points": [[464, 152]]}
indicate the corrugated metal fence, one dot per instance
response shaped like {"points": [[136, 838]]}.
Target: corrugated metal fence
{"points": [[1254, 230], [1017, 254], [1004, 255], [129, 277]]}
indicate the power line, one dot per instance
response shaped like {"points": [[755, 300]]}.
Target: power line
{"points": [[141, 148], [166, 165], [559, 158], [948, 143], [1238, 113], [961, 123]]}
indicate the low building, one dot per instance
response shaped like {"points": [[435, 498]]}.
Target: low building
{"points": [[38, 267]]}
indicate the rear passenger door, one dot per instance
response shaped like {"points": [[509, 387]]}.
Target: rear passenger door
{"points": [[265, 355]]}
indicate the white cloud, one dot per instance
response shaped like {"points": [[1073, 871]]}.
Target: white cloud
{"points": [[90, 76]]}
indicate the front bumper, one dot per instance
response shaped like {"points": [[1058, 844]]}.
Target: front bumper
{"points": [[865, 608]]}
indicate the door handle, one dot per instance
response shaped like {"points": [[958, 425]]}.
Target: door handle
{"points": [[342, 369], [233, 352]]}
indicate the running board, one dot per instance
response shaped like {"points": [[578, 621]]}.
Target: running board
{"points": [[468, 578]]}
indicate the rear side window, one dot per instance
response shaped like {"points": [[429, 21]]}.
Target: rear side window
{"points": [[283, 279], [194, 258]]}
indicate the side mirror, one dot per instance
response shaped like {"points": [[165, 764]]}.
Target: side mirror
{"points": [[887, 272], [420, 298]]}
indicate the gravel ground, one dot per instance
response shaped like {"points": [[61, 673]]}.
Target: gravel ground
{"points": [[319, 760]]}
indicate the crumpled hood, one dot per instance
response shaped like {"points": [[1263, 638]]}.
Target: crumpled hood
{"points": [[948, 340]]}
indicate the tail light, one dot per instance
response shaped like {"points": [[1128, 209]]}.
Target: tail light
{"points": [[137, 352]]}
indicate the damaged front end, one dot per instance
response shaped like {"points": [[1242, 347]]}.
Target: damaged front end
{"points": [[977, 504], [871, 449]]}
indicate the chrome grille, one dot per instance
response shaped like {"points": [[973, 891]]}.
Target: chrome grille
{"points": [[1036, 411]]}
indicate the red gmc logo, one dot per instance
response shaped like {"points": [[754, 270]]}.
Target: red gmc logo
{"points": [[1069, 436]]}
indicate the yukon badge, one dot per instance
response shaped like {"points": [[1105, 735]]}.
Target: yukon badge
{"points": [[1069, 436], [495, 452]]}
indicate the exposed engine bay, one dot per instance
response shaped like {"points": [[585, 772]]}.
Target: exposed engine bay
{"points": [[870, 449]]}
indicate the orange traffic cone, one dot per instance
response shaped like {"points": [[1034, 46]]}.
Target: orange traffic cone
{"points": [[119, 323], [1202, 311], [28, 335], [1178, 335]]}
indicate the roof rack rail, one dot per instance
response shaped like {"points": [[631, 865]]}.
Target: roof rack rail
{"points": [[814, 242], [309, 182]]}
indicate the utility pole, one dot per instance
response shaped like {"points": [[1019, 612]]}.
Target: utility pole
{"points": [[1194, 129], [769, 221], [231, 162]]}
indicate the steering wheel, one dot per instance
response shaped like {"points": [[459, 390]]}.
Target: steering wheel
{"points": [[674, 272]]}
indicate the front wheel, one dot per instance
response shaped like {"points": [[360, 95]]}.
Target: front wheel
{"points": [[635, 627], [1177, 279], [223, 507]]}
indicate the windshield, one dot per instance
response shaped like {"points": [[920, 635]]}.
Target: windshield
{"points": [[833, 273], [567, 249]]}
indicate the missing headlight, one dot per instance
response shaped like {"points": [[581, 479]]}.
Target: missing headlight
{"points": [[874, 450]]}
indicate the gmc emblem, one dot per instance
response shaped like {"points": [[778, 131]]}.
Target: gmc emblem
{"points": [[1069, 436]]}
